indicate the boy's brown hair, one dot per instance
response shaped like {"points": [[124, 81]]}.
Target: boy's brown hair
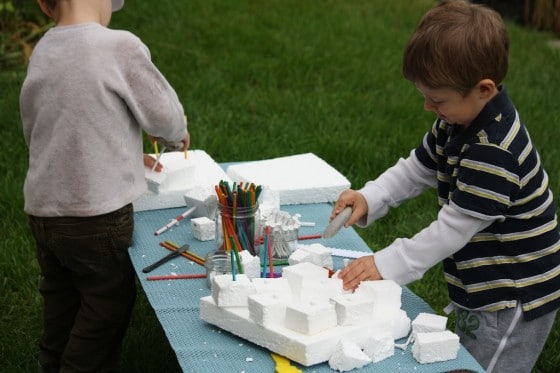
{"points": [[455, 45]]}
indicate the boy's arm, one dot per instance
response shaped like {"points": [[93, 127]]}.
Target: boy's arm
{"points": [[150, 97], [406, 179], [407, 259]]}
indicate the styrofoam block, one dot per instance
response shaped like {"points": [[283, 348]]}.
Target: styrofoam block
{"points": [[229, 293], [319, 290], [427, 322], [310, 318], [204, 229], [296, 274], [435, 346], [166, 189], [386, 294], [379, 347], [399, 324], [300, 256], [251, 264], [352, 309], [348, 356], [302, 178], [267, 309], [318, 254], [278, 286], [204, 198], [174, 175]]}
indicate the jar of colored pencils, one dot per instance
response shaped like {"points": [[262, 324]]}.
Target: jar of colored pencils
{"points": [[237, 227]]}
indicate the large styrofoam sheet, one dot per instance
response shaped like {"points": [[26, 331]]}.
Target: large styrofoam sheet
{"points": [[298, 179]]}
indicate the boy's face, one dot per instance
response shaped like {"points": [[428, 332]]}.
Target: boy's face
{"points": [[454, 107]]}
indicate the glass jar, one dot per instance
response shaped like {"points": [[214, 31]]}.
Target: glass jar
{"points": [[237, 228], [216, 263], [283, 242]]}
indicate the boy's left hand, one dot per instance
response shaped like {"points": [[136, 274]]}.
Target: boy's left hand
{"points": [[359, 270]]}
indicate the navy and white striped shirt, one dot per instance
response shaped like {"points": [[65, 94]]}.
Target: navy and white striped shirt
{"points": [[492, 170]]}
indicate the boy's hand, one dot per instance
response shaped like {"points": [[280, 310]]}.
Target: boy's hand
{"points": [[150, 161], [186, 142], [359, 270], [173, 146], [354, 199]]}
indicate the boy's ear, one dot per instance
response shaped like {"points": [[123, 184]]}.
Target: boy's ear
{"points": [[45, 8], [486, 88]]}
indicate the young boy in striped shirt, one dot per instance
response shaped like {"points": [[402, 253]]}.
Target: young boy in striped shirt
{"points": [[496, 231]]}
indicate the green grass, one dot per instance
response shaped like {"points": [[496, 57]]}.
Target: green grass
{"points": [[266, 79]]}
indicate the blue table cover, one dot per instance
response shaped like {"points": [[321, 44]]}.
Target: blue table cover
{"points": [[202, 347]]}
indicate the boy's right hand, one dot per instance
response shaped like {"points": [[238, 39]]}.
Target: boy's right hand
{"points": [[354, 199]]}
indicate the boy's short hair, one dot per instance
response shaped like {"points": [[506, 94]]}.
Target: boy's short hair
{"points": [[455, 45]]}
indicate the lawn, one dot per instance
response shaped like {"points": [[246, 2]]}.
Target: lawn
{"points": [[261, 79]]}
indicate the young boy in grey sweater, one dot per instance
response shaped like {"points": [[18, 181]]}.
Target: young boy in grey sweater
{"points": [[496, 231], [88, 94]]}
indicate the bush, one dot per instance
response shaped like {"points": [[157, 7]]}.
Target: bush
{"points": [[22, 24]]}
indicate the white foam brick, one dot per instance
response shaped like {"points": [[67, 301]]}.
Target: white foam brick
{"points": [[298, 179], [435, 346], [204, 229], [166, 189], [427, 322]]}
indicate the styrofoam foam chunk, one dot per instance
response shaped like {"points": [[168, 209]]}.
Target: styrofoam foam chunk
{"points": [[251, 264], [379, 347], [229, 293], [204, 229], [205, 200], [435, 346], [427, 322], [352, 309], [348, 356], [267, 309], [386, 294], [310, 318]]}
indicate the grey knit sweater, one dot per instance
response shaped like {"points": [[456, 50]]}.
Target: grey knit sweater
{"points": [[88, 93]]}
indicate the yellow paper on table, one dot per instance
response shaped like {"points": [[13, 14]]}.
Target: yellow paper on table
{"points": [[283, 365]]}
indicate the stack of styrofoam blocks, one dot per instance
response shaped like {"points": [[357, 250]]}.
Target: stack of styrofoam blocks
{"points": [[432, 342], [305, 315], [371, 300], [308, 317], [206, 202]]}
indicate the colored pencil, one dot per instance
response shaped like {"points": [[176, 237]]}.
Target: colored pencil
{"points": [[187, 254], [232, 259], [176, 277], [269, 252], [310, 237]]}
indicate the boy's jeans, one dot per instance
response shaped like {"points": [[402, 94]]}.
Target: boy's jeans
{"points": [[88, 287]]}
